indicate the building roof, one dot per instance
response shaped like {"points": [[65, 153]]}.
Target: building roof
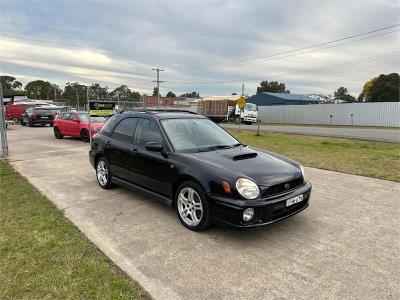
{"points": [[290, 97], [228, 97]]}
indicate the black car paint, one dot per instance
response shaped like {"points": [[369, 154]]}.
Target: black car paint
{"points": [[42, 117], [160, 173]]}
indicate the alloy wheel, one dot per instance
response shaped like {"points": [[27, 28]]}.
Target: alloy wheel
{"points": [[102, 173], [190, 206]]}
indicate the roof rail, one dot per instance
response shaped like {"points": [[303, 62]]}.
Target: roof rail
{"points": [[154, 111]]}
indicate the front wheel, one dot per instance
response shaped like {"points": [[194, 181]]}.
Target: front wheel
{"points": [[192, 206], [103, 174], [57, 133]]}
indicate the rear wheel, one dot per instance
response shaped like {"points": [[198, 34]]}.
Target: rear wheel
{"points": [[192, 206], [30, 123], [103, 174], [237, 120], [23, 123], [57, 133], [84, 135]]}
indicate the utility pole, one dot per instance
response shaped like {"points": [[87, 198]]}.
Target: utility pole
{"points": [[158, 85], [119, 108], [242, 89], [77, 97], [55, 93], [4, 145]]}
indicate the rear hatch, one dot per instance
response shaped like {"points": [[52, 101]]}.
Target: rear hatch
{"points": [[43, 114]]}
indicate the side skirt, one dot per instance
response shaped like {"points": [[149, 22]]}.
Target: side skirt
{"points": [[133, 186]]}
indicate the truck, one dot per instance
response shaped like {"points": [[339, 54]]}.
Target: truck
{"points": [[220, 110]]}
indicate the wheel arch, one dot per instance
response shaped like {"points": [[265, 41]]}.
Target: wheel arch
{"points": [[181, 180]]}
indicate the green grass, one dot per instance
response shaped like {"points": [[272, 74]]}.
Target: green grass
{"points": [[372, 159], [43, 255]]}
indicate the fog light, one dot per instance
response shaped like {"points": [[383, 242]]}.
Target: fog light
{"points": [[248, 214]]}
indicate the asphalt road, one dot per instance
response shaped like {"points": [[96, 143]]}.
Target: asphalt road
{"points": [[345, 245], [373, 134]]}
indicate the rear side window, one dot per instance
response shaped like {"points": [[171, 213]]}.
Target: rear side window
{"points": [[125, 129], [147, 131], [109, 125]]}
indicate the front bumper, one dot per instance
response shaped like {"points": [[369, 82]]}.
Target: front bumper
{"points": [[250, 119], [267, 211]]}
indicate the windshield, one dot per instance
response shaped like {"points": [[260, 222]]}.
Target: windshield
{"points": [[251, 107], [197, 135], [85, 118]]}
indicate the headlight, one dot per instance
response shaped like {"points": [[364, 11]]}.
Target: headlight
{"points": [[247, 188], [302, 172]]}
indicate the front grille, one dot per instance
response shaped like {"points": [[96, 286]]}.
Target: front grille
{"points": [[283, 187]]}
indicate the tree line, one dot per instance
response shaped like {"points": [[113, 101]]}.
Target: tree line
{"points": [[383, 88], [73, 93]]}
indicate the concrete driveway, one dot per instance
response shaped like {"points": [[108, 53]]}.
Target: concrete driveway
{"points": [[370, 134], [345, 245]]}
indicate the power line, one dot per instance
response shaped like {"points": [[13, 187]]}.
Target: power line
{"points": [[378, 57], [291, 52]]}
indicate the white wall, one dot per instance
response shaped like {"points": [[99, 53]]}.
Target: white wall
{"points": [[364, 114]]}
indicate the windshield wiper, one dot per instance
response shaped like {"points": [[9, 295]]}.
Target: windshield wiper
{"points": [[239, 144], [215, 147]]}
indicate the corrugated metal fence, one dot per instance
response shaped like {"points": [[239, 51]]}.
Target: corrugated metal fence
{"points": [[358, 114]]}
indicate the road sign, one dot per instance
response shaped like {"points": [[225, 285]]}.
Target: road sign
{"points": [[241, 102], [101, 108]]}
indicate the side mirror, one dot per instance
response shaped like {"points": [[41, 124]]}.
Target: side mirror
{"points": [[153, 146]]}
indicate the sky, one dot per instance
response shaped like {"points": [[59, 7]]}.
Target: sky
{"points": [[209, 46]]}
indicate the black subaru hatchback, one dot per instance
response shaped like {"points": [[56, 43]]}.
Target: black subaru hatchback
{"points": [[192, 164]]}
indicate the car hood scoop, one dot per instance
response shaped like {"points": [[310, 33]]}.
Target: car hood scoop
{"points": [[241, 156]]}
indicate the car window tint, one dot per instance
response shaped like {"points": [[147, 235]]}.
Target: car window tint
{"points": [[109, 125], [124, 130], [147, 131]]}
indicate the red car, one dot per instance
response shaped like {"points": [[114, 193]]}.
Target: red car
{"points": [[76, 124]]}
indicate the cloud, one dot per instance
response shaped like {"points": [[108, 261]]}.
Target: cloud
{"points": [[119, 42]]}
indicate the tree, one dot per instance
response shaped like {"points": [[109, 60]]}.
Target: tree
{"points": [[97, 92], [234, 93], [10, 85], [125, 94], [272, 87], [155, 91], [342, 94], [191, 95], [39, 89], [171, 94], [384, 88], [74, 92]]}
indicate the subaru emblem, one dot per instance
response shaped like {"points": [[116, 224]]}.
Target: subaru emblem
{"points": [[286, 186]]}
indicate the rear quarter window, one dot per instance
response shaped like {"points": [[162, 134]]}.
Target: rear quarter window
{"points": [[108, 127]]}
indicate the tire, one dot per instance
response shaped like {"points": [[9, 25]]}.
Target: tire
{"points": [[237, 121], [103, 174], [15, 120], [57, 133], [51, 124], [248, 123], [23, 123], [192, 206], [30, 123], [84, 134]]}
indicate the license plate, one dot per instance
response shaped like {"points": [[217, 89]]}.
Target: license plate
{"points": [[294, 200], [44, 117]]}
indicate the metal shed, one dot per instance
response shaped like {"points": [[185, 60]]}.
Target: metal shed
{"points": [[269, 99]]}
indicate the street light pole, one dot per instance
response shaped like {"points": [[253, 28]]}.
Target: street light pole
{"points": [[3, 133]]}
